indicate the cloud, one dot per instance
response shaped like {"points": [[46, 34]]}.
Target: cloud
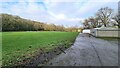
{"points": [[58, 0], [61, 12], [61, 16]]}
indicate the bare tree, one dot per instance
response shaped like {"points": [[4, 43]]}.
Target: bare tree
{"points": [[93, 22], [117, 19], [104, 14], [86, 24]]}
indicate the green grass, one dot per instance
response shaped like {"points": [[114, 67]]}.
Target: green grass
{"points": [[109, 38], [18, 44], [0, 49]]}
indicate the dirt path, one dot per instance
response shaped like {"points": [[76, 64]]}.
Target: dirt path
{"points": [[88, 51]]}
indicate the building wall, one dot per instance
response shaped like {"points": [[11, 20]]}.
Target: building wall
{"points": [[105, 32]]}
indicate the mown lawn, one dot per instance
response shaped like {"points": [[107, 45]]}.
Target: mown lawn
{"points": [[17, 46]]}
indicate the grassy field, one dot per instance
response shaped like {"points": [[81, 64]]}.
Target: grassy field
{"points": [[17, 46], [0, 49]]}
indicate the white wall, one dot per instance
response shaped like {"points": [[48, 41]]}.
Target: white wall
{"points": [[105, 32]]}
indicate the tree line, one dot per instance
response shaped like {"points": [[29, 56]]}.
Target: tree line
{"points": [[16, 23], [104, 17]]}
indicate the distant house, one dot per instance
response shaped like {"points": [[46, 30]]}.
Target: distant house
{"points": [[80, 30]]}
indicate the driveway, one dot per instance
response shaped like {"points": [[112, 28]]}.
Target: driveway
{"points": [[88, 51]]}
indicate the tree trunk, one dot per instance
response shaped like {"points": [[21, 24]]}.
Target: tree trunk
{"points": [[105, 25]]}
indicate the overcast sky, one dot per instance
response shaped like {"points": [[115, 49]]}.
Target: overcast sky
{"points": [[60, 12]]}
